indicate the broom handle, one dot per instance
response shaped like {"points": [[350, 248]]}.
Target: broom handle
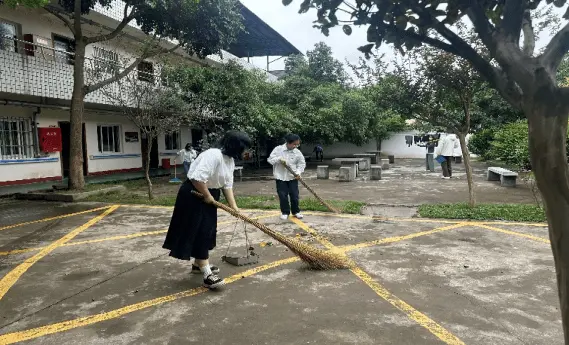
{"points": [[279, 237], [330, 207]]}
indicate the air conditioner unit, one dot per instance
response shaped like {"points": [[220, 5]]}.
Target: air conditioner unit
{"points": [[39, 46]]}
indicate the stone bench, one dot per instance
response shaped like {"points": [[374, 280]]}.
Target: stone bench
{"points": [[346, 174], [372, 157], [322, 172], [506, 177], [377, 156], [384, 163], [363, 163], [391, 159], [239, 170], [375, 172]]}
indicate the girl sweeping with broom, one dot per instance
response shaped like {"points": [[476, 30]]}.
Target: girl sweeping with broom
{"points": [[193, 227]]}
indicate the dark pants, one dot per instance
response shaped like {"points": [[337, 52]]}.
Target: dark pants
{"points": [[284, 190], [447, 166], [319, 155]]}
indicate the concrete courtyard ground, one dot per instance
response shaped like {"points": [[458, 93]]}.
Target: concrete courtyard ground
{"points": [[93, 274]]}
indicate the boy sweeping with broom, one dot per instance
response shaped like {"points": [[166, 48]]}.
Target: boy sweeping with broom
{"points": [[287, 183]]}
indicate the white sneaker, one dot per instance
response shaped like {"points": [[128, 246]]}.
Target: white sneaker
{"points": [[299, 215], [284, 217], [445, 178]]}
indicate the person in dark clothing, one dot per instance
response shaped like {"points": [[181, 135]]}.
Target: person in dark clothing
{"points": [[193, 227], [319, 152]]}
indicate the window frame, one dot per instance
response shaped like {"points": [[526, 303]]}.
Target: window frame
{"points": [[20, 143], [69, 53], [144, 75], [18, 34], [168, 140], [116, 130]]}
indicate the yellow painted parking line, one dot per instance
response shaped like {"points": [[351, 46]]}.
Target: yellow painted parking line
{"points": [[401, 238], [172, 207], [514, 233], [311, 231], [33, 333], [412, 313], [12, 277], [119, 237], [54, 218]]}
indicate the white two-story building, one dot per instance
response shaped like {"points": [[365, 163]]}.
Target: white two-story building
{"points": [[36, 80]]}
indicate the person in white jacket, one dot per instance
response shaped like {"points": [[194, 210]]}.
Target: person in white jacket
{"points": [[188, 156], [446, 149], [287, 184]]}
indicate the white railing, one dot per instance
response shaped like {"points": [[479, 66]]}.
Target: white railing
{"points": [[37, 70]]}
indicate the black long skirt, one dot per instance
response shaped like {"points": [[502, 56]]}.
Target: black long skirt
{"points": [[193, 227]]}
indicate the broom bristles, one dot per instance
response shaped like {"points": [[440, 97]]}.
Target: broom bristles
{"points": [[316, 258]]}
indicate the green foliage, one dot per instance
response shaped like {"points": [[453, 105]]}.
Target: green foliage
{"points": [[507, 212], [510, 145], [25, 3], [480, 143]]}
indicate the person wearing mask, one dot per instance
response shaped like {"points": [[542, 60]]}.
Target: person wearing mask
{"points": [[193, 227], [188, 155], [287, 183], [446, 150]]}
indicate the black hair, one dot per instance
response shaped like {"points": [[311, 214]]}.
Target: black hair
{"points": [[234, 143], [291, 138], [188, 146]]}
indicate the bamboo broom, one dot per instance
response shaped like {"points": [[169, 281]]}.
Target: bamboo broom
{"points": [[328, 206], [316, 258]]}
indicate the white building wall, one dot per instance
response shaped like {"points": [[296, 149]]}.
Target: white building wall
{"points": [[396, 145], [35, 169]]}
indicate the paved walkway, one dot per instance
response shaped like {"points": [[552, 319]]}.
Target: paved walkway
{"points": [[92, 274]]}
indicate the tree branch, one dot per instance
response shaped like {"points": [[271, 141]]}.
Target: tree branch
{"points": [[529, 36], [512, 18], [556, 49], [127, 18], [58, 15], [482, 26]]}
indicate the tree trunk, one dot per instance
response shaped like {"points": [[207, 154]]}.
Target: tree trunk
{"points": [[547, 136], [378, 144], [468, 168], [76, 179], [147, 169]]}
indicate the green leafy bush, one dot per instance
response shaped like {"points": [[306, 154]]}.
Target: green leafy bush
{"points": [[510, 144], [480, 143]]}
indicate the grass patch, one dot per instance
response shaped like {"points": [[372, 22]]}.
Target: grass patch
{"points": [[246, 202], [507, 212]]}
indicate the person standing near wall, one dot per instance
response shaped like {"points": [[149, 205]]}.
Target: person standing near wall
{"points": [[188, 155], [446, 150], [287, 183]]}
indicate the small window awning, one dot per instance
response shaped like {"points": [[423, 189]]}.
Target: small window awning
{"points": [[259, 39]]}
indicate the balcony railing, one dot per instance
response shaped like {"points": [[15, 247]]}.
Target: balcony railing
{"points": [[27, 68]]}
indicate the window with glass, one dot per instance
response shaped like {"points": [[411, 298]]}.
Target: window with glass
{"points": [[64, 49], [109, 138], [173, 141], [145, 71], [16, 138], [8, 36]]}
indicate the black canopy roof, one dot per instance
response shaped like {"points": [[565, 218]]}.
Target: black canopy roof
{"points": [[259, 39]]}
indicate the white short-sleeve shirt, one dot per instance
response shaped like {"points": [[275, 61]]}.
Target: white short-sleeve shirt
{"points": [[214, 169]]}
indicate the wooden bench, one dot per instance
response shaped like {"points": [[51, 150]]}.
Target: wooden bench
{"points": [[506, 177], [240, 172]]}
